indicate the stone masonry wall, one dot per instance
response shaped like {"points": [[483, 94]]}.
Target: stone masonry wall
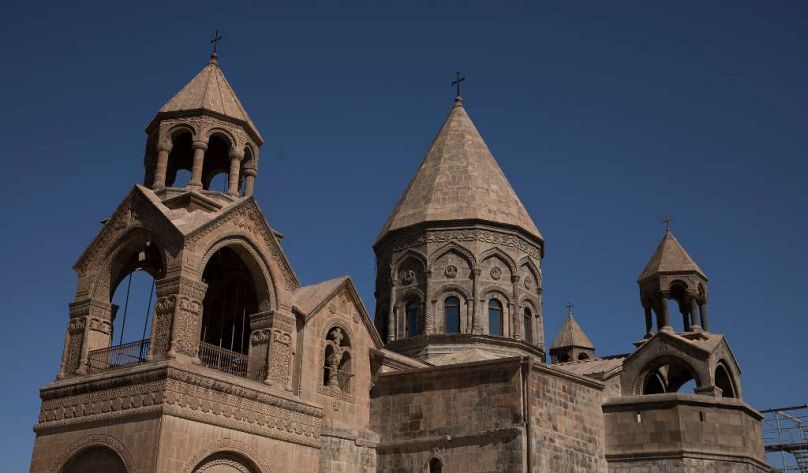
{"points": [[686, 465], [566, 423], [469, 416]]}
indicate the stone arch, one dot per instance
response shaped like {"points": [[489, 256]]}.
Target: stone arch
{"points": [[502, 255], [122, 259], [228, 446], [488, 291], [673, 371], [337, 358], [527, 267], [180, 128], [725, 380], [409, 256], [89, 443], [452, 290], [453, 247], [251, 256], [407, 297]]}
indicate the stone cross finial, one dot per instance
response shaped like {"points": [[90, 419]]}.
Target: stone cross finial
{"points": [[570, 305], [667, 221], [215, 42], [457, 82]]}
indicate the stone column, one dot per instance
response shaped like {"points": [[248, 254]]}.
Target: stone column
{"points": [[163, 321], [703, 314], [664, 322], [516, 312], [694, 307], [249, 181], [649, 323], [258, 354], [199, 160], [232, 177], [183, 314], [391, 317], [281, 351], [162, 166], [685, 317], [476, 328], [89, 329]]}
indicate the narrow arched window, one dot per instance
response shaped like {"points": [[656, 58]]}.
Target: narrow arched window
{"points": [[451, 306], [495, 317], [413, 314], [435, 466], [527, 325]]}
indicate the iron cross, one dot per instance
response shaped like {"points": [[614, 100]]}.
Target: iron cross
{"points": [[570, 305], [457, 82], [667, 221], [215, 41]]}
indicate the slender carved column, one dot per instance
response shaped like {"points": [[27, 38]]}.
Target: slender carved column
{"points": [[664, 322], [235, 164], [703, 313], [649, 323], [391, 317], [199, 160], [249, 181], [685, 310], [258, 355], [186, 320], [694, 307], [162, 165], [429, 322], [516, 309], [476, 328]]}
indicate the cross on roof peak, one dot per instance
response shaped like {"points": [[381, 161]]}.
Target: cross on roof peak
{"points": [[667, 222], [460, 78], [570, 305], [215, 42]]}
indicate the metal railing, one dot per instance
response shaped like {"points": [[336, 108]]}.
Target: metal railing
{"points": [[227, 361], [118, 356]]}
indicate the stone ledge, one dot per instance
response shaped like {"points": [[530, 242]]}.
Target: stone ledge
{"points": [[668, 400], [473, 437], [682, 454]]}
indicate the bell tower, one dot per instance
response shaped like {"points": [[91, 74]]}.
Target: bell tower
{"points": [[206, 131]]}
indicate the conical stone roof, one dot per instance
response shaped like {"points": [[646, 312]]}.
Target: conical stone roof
{"points": [[459, 179], [209, 91], [571, 335], [670, 257]]}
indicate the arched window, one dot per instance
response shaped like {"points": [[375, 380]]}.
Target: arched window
{"points": [[583, 356], [495, 317], [527, 325], [435, 466], [413, 315], [451, 306]]}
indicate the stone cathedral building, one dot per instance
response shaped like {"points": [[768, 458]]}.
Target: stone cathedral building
{"points": [[248, 370]]}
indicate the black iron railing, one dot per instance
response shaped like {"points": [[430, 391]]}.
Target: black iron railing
{"points": [[118, 356], [227, 361]]}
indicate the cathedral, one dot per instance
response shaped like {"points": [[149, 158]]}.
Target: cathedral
{"points": [[247, 370]]}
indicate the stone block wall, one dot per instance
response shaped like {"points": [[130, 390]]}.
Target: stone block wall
{"points": [[682, 433], [566, 422], [470, 416]]}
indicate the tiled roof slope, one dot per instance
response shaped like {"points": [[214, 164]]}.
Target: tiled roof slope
{"points": [[571, 335], [670, 257]]}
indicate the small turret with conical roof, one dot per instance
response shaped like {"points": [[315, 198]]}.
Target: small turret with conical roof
{"points": [[203, 129], [672, 274], [458, 259], [571, 343]]}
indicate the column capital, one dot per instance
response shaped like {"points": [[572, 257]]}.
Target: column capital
{"points": [[236, 154], [203, 145]]}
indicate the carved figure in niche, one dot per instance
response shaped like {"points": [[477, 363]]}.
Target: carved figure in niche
{"points": [[337, 369], [451, 271], [496, 272], [408, 277]]}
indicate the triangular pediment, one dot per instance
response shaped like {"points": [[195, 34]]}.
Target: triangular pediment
{"points": [[139, 209], [335, 298]]}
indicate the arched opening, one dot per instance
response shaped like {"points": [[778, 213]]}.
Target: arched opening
{"points": [[94, 460], [337, 361], [451, 308], [435, 465], [217, 161], [563, 357], [181, 158], [495, 317], [527, 325], [678, 304], [229, 301], [132, 275], [723, 380], [218, 182], [582, 356], [413, 310], [225, 462], [670, 375]]}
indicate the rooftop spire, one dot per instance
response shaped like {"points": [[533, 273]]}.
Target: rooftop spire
{"points": [[670, 257], [459, 179]]}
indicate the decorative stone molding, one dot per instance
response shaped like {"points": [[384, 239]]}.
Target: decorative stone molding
{"points": [[96, 440], [225, 446]]}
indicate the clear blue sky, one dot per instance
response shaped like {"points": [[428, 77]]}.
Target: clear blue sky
{"points": [[604, 115]]}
